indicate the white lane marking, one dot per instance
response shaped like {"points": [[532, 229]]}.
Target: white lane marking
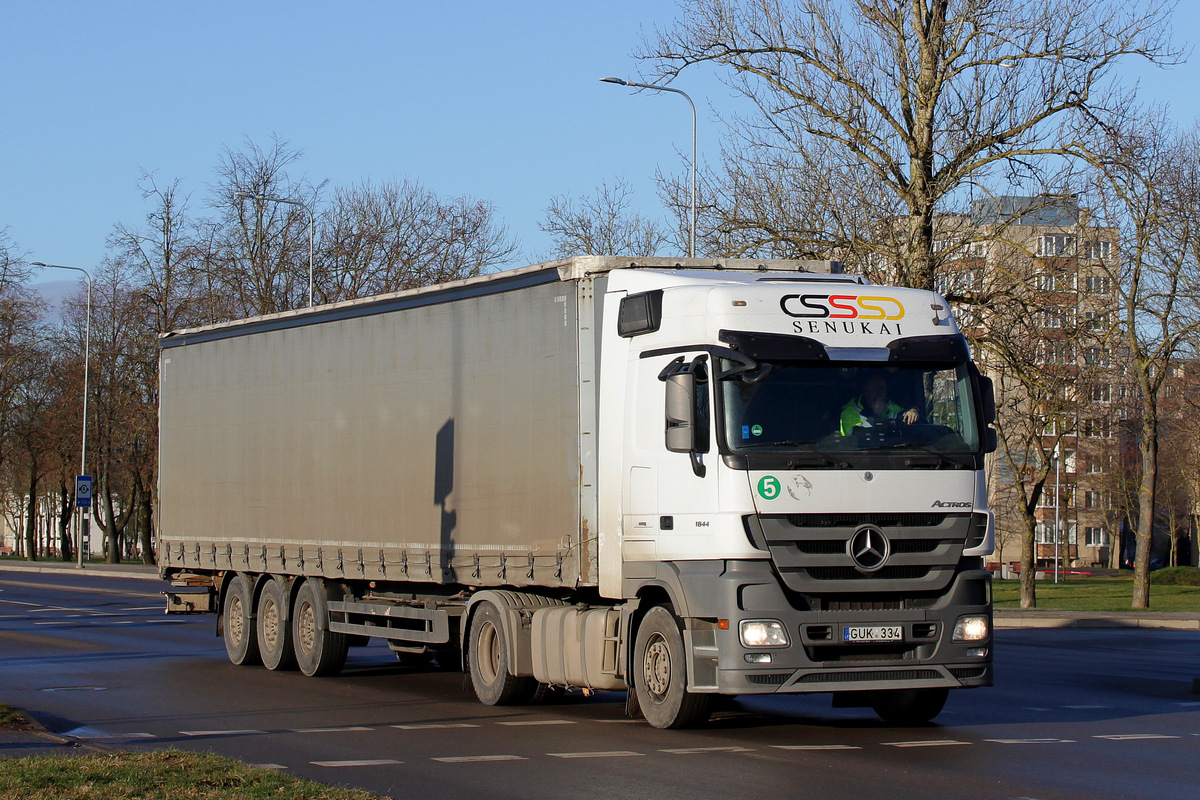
{"points": [[472, 759], [145, 608], [1035, 708], [1191, 704], [1031, 741], [241, 732], [93, 733], [925, 743], [76, 689], [1084, 708], [539, 722], [376, 762], [685, 751], [1129, 737], [816, 747], [330, 730], [428, 726], [57, 622], [269, 766], [598, 754]]}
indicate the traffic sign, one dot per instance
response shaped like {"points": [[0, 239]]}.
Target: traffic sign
{"points": [[83, 491]]}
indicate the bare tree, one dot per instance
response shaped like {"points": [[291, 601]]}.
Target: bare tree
{"points": [[394, 236], [918, 99], [258, 248], [601, 224], [1147, 182]]}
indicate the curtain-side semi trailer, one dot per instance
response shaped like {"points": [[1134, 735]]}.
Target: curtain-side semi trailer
{"points": [[671, 477]]}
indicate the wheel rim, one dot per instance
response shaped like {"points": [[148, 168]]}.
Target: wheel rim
{"points": [[236, 620], [306, 627], [270, 623], [489, 653], [656, 666]]}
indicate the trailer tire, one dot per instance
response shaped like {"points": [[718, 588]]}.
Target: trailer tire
{"points": [[910, 706], [319, 651], [274, 626], [487, 654], [240, 633], [660, 674]]}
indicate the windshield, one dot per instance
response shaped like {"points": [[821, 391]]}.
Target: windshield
{"points": [[842, 407]]}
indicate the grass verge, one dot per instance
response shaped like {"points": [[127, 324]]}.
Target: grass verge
{"points": [[160, 775], [1080, 593], [13, 719]]}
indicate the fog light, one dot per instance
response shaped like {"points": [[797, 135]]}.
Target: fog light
{"points": [[763, 633], [971, 629], [758, 658], [977, 652]]}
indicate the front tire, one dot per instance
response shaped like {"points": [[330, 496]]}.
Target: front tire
{"points": [[910, 706], [239, 629], [319, 651], [660, 674], [491, 678], [274, 627]]}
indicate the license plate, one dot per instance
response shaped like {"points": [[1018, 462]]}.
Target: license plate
{"points": [[873, 633]]}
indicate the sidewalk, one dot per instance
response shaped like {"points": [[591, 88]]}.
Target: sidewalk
{"points": [[98, 570]]}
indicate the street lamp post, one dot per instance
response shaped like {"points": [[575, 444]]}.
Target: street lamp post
{"points": [[1057, 501], [242, 195], [87, 335], [632, 84]]}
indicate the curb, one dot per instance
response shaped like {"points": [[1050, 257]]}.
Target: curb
{"points": [[139, 571], [1174, 621]]}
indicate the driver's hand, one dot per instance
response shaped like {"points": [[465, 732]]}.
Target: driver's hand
{"points": [[911, 416]]}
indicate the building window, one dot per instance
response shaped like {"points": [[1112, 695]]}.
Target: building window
{"points": [[1095, 537], [1097, 357], [1097, 249], [1056, 244], [1100, 393], [1097, 285]]}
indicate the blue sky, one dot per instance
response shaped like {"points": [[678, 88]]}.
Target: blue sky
{"points": [[497, 100]]}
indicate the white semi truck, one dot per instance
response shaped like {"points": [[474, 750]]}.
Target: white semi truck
{"points": [[671, 477]]}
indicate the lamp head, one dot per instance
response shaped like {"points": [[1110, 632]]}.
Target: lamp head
{"points": [[617, 81]]}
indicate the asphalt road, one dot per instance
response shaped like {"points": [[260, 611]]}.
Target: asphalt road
{"points": [[1075, 714]]}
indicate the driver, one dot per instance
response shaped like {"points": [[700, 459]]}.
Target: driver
{"points": [[872, 407]]}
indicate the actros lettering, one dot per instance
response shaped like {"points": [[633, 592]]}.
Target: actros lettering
{"points": [[841, 306]]}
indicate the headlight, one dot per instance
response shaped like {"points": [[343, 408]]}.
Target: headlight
{"points": [[971, 629], [763, 633]]}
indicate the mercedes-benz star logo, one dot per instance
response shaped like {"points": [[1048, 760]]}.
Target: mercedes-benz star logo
{"points": [[869, 548]]}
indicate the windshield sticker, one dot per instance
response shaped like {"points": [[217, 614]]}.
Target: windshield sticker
{"points": [[768, 487], [756, 430]]}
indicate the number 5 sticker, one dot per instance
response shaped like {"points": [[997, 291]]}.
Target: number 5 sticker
{"points": [[768, 487]]}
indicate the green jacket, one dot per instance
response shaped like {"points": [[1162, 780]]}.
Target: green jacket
{"points": [[853, 416]]}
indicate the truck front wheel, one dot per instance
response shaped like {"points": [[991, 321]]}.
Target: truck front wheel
{"points": [[319, 651], [660, 674], [487, 654], [241, 640], [910, 706]]}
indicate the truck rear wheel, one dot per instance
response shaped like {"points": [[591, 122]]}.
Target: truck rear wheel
{"points": [[491, 678], [237, 612], [319, 651], [274, 628], [660, 674], [910, 706]]}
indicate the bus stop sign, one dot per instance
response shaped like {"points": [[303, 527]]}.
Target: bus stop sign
{"points": [[83, 491]]}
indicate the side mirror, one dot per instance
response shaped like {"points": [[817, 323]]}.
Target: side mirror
{"points": [[681, 424], [991, 442], [987, 393]]}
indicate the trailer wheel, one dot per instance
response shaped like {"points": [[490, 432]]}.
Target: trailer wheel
{"points": [[660, 674], [910, 706], [241, 640], [487, 654], [274, 628], [319, 651]]}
